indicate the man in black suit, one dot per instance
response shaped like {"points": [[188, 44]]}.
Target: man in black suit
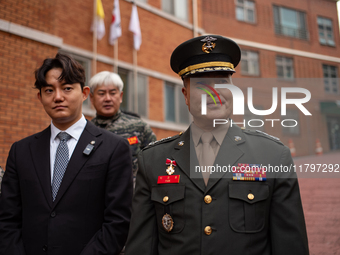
{"points": [[184, 206], [68, 189]]}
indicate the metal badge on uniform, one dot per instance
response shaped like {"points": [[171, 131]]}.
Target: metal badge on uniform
{"points": [[237, 138], [249, 172], [171, 166], [133, 140], [181, 143], [208, 45], [88, 149], [167, 222]]}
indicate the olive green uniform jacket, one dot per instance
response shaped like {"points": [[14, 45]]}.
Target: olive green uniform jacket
{"points": [[272, 223]]}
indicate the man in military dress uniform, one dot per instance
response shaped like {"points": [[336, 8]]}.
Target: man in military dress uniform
{"points": [[106, 96], [179, 211]]}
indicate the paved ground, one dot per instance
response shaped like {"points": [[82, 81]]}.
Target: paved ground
{"points": [[321, 203]]}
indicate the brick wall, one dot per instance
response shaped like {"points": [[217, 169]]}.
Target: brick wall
{"points": [[21, 111]]}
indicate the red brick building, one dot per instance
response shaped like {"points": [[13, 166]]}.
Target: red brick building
{"points": [[284, 44]]}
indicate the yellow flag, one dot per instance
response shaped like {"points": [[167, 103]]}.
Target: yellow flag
{"points": [[100, 9]]}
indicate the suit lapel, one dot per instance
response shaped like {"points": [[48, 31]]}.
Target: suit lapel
{"points": [[186, 159], [78, 158], [40, 152], [228, 154]]}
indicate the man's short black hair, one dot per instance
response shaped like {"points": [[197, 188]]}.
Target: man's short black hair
{"points": [[72, 71]]}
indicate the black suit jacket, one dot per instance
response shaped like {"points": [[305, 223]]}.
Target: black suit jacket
{"points": [[91, 212], [269, 223]]}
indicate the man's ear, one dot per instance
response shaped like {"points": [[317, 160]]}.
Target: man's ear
{"points": [[39, 96], [185, 93], [86, 92], [121, 97]]}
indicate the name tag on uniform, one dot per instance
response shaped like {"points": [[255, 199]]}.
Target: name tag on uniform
{"points": [[133, 140], [168, 179]]}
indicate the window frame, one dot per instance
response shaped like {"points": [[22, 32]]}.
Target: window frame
{"points": [[328, 42], [178, 98], [174, 7], [329, 79], [245, 11], [250, 59], [299, 33], [284, 65]]}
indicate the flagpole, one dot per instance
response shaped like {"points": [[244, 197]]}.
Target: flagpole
{"points": [[115, 56], [135, 80], [94, 59]]}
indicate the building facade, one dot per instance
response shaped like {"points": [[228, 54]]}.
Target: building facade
{"points": [[285, 44]]}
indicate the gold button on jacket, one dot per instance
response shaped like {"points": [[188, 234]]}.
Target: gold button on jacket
{"points": [[207, 199], [207, 230]]}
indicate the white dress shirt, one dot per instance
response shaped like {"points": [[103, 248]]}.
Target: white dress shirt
{"points": [[74, 131]]}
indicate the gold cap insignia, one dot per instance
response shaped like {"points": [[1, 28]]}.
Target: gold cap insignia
{"points": [[208, 45]]}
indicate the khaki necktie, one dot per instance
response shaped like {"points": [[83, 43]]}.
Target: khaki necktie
{"points": [[208, 156]]}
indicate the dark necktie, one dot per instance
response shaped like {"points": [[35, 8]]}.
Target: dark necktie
{"points": [[60, 164]]}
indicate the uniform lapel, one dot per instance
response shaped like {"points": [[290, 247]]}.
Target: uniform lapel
{"points": [[78, 159], [228, 154], [186, 159], [40, 152]]}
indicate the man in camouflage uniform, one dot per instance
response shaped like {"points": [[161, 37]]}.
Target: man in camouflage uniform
{"points": [[106, 96]]}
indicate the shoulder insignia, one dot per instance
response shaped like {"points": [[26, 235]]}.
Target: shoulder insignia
{"points": [[164, 140], [263, 134]]}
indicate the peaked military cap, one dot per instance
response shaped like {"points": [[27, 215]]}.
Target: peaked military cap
{"points": [[208, 53]]}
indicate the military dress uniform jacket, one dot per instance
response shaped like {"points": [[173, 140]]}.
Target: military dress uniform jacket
{"points": [[91, 212], [270, 223]]}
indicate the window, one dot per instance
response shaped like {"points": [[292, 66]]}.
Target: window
{"points": [[330, 79], [178, 8], [285, 68], [128, 103], [175, 108], [291, 122], [245, 10], [250, 63], [290, 22], [325, 31]]}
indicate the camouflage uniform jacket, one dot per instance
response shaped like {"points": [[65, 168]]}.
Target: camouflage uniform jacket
{"points": [[138, 133]]}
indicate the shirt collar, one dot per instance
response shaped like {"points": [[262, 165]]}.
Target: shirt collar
{"points": [[219, 133], [75, 130]]}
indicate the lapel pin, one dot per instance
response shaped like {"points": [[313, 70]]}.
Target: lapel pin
{"points": [[238, 138], [89, 148], [92, 142], [181, 143]]}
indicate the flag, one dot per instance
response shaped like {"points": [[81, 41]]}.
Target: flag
{"points": [[115, 29], [99, 20], [135, 28]]}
